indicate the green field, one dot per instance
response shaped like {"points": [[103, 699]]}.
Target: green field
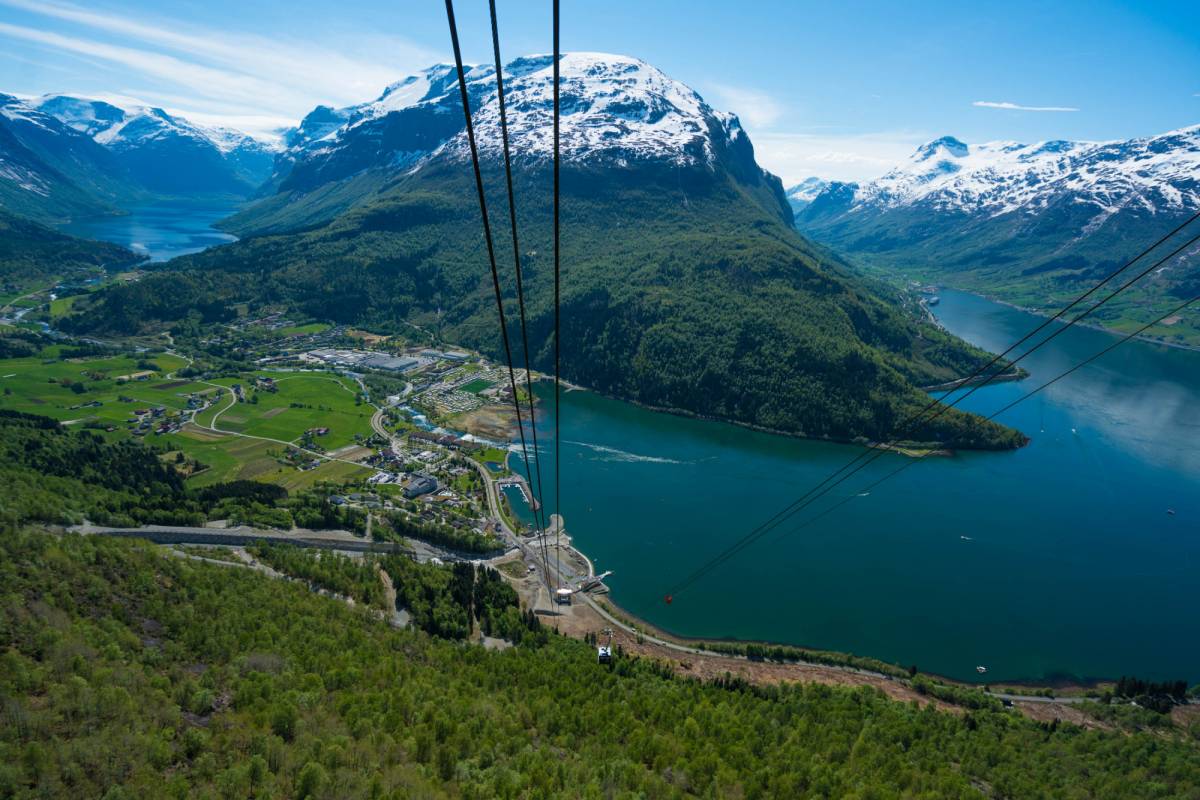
{"points": [[476, 386], [301, 403], [492, 455], [43, 385], [238, 458], [62, 306], [37, 387], [299, 330]]}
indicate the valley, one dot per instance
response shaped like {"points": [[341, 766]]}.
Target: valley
{"points": [[619, 457], [268, 520], [1030, 224]]}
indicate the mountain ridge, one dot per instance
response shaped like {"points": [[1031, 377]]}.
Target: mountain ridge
{"points": [[1029, 223], [621, 113], [684, 284], [64, 157]]}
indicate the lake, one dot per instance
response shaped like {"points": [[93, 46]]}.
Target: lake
{"points": [[1071, 566], [161, 231]]}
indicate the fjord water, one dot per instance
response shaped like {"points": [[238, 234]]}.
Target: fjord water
{"points": [[1056, 561], [162, 231]]}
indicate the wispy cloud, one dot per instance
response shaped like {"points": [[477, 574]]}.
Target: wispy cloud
{"points": [[223, 71], [756, 108], [1016, 107], [846, 157]]}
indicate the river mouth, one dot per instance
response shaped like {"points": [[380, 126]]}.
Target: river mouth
{"points": [[1071, 559]]}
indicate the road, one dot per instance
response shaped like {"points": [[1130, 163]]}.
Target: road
{"points": [[242, 535], [550, 576], [489, 483], [212, 426]]}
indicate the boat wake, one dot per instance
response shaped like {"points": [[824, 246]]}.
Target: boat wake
{"points": [[613, 454]]}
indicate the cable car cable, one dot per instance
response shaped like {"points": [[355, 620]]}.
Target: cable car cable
{"points": [[512, 216], [787, 511], [875, 452], [491, 251], [995, 414], [557, 329]]}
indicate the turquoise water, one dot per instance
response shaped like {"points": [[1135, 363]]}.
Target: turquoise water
{"points": [[161, 231], [1072, 567]]}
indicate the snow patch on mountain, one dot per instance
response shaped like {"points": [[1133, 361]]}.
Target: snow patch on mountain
{"points": [[119, 128], [804, 192], [613, 108], [998, 178], [429, 84], [616, 109], [16, 109]]}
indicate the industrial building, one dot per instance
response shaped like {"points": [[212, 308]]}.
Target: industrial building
{"points": [[419, 485]]}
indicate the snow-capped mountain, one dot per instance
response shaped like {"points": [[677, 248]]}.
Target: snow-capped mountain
{"points": [[1157, 173], [49, 170], [165, 153], [618, 112], [804, 192], [1025, 221]]}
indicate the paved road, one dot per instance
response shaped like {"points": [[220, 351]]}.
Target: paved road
{"points": [[242, 535]]}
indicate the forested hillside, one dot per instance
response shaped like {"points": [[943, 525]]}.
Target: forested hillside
{"points": [[28, 249], [680, 292], [126, 673]]}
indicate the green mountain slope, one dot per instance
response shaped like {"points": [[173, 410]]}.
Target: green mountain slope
{"points": [[683, 289], [130, 673], [28, 249], [1034, 225]]}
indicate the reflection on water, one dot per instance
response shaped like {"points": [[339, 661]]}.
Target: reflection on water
{"points": [[161, 231], [1140, 395], [1057, 559]]}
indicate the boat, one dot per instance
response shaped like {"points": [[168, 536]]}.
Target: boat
{"points": [[1170, 512], [933, 301], [981, 670]]}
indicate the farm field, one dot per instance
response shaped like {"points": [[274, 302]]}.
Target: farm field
{"points": [[48, 385], [302, 402], [301, 330], [85, 390], [231, 458]]}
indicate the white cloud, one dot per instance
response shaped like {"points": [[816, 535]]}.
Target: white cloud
{"points": [[1014, 107], [225, 72], [755, 108], [847, 157]]}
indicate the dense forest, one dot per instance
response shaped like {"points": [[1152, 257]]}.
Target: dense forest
{"points": [[129, 674], [51, 474], [709, 306], [29, 249]]}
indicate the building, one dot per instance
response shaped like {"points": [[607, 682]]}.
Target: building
{"points": [[363, 359], [419, 485], [444, 439]]}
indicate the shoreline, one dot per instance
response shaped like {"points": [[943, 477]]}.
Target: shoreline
{"points": [[860, 441], [835, 658], [1195, 348], [818, 656]]}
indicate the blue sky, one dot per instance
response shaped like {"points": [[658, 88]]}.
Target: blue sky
{"points": [[840, 90]]}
